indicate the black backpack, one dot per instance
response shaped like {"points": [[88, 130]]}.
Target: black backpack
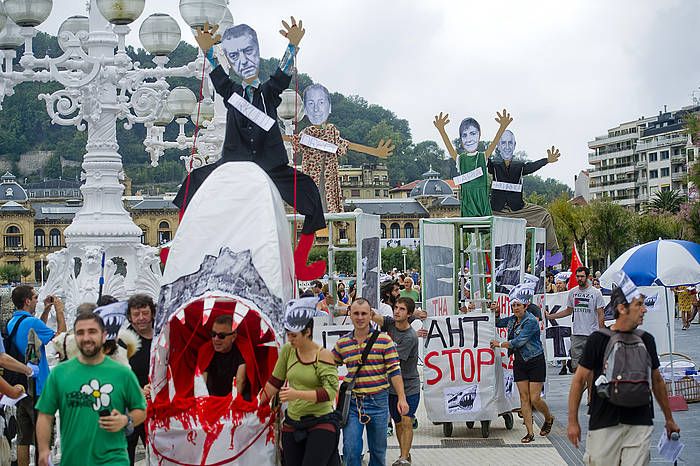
{"points": [[12, 377], [627, 368]]}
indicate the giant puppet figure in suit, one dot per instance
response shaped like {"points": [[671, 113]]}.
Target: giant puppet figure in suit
{"points": [[507, 187], [252, 132]]}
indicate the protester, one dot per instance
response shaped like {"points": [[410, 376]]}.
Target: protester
{"points": [[388, 293], [586, 304], [369, 406], [409, 291], [619, 434], [227, 362], [140, 313], [317, 287], [99, 401], [596, 283], [549, 284], [310, 431], [406, 340], [560, 281], [25, 299], [342, 295], [529, 367], [684, 297]]}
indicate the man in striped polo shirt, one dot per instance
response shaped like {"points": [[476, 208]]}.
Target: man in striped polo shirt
{"points": [[370, 401]]}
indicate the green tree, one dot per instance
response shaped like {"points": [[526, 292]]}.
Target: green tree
{"points": [[666, 201], [393, 258], [571, 222], [25, 272], [651, 227], [53, 168], [10, 273], [611, 230]]}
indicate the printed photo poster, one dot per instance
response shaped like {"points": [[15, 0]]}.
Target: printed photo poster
{"points": [[369, 259], [459, 372], [509, 252], [539, 236], [438, 270], [558, 331]]}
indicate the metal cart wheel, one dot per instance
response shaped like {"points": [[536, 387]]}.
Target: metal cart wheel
{"points": [[447, 429], [485, 429], [508, 417], [470, 424]]}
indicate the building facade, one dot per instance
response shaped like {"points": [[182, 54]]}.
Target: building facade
{"points": [[638, 158], [370, 181]]}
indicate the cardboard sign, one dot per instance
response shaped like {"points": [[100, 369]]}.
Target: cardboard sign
{"points": [[251, 112], [459, 376], [502, 186], [469, 176], [316, 143]]}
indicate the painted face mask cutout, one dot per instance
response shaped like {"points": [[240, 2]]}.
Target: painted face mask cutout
{"points": [[240, 44], [469, 134], [506, 145], [317, 104]]}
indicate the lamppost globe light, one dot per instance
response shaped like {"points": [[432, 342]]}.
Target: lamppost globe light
{"points": [[181, 101], [74, 24], [165, 117], [197, 12], [3, 16], [10, 37], [206, 111], [404, 252], [28, 13], [159, 34], [121, 12], [226, 22], [286, 109]]}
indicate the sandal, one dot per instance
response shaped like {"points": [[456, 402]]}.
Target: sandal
{"points": [[528, 438], [547, 427]]}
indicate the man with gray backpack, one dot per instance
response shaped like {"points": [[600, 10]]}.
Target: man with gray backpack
{"points": [[624, 365]]}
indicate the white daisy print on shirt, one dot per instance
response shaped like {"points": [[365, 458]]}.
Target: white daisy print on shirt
{"points": [[100, 394]]}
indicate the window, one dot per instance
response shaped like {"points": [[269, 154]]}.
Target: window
{"points": [[408, 230], [663, 155], [377, 193], [383, 228], [55, 238], [395, 230], [691, 155], [665, 171], [653, 174], [144, 234], [163, 232], [342, 233], [653, 157], [13, 237], [39, 238], [354, 193]]}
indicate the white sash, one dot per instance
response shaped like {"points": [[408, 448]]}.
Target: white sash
{"points": [[316, 143], [501, 186], [469, 176], [253, 113]]}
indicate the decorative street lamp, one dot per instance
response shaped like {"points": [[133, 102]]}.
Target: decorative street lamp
{"points": [[100, 87], [290, 110], [404, 252]]}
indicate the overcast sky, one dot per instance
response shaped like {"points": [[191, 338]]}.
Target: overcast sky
{"points": [[566, 71]]}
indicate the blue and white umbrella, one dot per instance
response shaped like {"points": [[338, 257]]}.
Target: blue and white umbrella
{"points": [[662, 262]]}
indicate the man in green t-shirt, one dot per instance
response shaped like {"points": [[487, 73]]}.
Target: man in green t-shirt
{"points": [[99, 400], [408, 290]]}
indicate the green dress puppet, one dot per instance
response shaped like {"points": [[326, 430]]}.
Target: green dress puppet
{"points": [[473, 179]]}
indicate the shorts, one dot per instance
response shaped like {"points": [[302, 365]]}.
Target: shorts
{"points": [[578, 343], [412, 401], [26, 421], [533, 370], [620, 444]]}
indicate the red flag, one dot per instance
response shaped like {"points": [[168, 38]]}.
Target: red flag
{"points": [[575, 264]]}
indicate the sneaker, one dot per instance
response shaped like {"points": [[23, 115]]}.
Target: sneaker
{"points": [[401, 462], [563, 370]]}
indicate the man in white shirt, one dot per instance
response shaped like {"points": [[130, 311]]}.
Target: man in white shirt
{"points": [[586, 304]]}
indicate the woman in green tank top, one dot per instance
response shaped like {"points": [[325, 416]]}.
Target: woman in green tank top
{"points": [[306, 378], [474, 186]]}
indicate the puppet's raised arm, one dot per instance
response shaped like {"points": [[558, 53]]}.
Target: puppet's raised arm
{"points": [[503, 120], [383, 150], [440, 122], [294, 33]]}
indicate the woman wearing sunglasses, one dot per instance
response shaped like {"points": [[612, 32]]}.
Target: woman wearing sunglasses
{"points": [[306, 378]]}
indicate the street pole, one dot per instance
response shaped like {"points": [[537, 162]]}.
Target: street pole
{"points": [[404, 251]]}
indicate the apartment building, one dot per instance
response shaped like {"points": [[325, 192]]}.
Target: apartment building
{"points": [[370, 181], [637, 158]]}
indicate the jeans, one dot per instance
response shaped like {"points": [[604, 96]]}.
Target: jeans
{"points": [[374, 407]]}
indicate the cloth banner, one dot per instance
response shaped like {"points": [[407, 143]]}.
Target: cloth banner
{"points": [[459, 375], [438, 269]]}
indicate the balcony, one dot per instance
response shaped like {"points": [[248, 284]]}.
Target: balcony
{"points": [[678, 176], [641, 165], [14, 250], [597, 157], [660, 141], [605, 140], [680, 158]]}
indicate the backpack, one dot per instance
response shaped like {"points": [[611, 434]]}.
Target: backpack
{"points": [[627, 368], [12, 377]]}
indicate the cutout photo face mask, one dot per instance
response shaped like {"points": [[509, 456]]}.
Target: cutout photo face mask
{"points": [[506, 145], [240, 43], [469, 134], [317, 104]]}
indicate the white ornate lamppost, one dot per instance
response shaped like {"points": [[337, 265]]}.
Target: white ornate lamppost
{"points": [[290, 111], [100, 87]]}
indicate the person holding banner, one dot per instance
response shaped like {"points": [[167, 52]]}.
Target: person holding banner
{"points": [[529, 368], [310, 431]]}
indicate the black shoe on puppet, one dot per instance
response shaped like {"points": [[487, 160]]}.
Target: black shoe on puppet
{"points": [[301, 256]]}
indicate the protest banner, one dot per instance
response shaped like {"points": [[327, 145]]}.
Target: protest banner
{"points": [[459, 375]]}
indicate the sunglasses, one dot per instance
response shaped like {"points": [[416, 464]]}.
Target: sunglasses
{"points": [[221, 335]]}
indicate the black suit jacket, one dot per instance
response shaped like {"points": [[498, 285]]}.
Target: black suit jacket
{"points": [[512, 174], [245, 141]]}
